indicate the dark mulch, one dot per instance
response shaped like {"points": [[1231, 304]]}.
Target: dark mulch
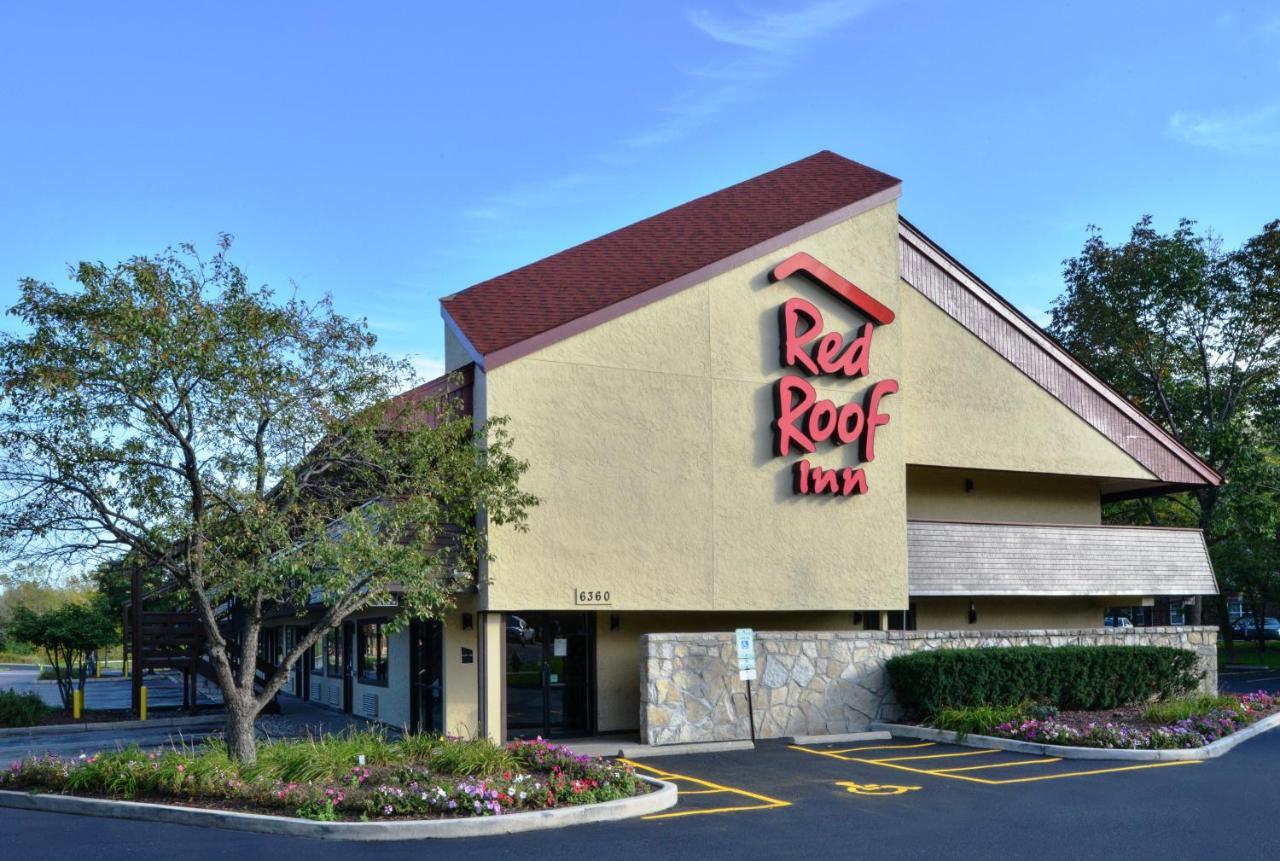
{"points": [[1130, 715]]}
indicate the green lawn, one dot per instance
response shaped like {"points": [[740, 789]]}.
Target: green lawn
{"points": [[1248, 654]]}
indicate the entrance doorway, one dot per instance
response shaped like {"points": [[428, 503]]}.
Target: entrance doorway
{"points": [[348, 664], [426, 691], [550, 670]]}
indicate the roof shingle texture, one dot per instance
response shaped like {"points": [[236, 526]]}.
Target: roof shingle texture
{"points": [[966, 559], [525, 302]]}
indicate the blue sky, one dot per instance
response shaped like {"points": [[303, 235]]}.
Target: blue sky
{"points": [[390, 154]]}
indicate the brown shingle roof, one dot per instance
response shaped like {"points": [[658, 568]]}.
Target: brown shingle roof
{"points": [[559, 289]]}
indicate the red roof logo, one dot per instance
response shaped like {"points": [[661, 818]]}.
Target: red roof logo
{"points": [[822, 275]]}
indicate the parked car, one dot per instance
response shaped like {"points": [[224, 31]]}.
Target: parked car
{"points": [[1117, 622], [1247, 628]]}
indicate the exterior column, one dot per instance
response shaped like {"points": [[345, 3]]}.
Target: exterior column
{"points": [[492, 677]]}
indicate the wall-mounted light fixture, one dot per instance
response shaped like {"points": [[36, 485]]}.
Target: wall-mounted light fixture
{"points": [[466, 622], [615, 621], [973, 613]]}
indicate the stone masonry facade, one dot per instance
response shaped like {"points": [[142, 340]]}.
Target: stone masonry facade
{"points": [[816, 683]]}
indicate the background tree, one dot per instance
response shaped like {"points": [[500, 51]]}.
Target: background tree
{"points": [[35, 588], [1190, 331], [255, 452], [67, 634]]}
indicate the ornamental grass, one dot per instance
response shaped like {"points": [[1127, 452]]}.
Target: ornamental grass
{"points": [[324, 778]]}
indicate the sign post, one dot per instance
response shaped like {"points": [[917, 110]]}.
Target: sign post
{"points": [[746, 642]]}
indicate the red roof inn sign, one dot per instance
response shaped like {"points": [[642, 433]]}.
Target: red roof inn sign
{"points": [[803, 420]]}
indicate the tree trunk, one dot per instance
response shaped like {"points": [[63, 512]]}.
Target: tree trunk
{"points": [[241, 741]]}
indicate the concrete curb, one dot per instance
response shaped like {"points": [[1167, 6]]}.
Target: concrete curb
{"points": [[419, 829], [109, 726], [644, 751], [875, 735], [1209, 751]]}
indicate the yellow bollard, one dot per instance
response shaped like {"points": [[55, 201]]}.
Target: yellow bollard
{"points": [[77, 703], [142, 703]]}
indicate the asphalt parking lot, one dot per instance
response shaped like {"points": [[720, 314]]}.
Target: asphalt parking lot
{"points": [[900, 798]]}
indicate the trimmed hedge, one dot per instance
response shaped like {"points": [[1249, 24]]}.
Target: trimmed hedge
{"points": [[1070, 677]]}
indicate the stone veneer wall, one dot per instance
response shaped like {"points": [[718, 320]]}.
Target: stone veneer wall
{"points": [[815, 683]]}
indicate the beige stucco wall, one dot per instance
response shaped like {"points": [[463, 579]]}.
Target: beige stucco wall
{"points": [[455, 354], [649, 439], [461, 700], [965, 406], [618, 652], [649, 442], [996, 613], [934, 493]]}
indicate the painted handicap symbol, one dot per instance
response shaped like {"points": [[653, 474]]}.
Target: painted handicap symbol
{"points": [[875, 788]]}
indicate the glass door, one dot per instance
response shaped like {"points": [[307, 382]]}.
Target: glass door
{"points": [[426, 693], [549, 673]]}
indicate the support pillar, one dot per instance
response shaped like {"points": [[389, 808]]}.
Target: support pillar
{"points": [[135, 617], [491, 639]]}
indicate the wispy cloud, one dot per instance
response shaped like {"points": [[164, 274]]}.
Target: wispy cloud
{"points": [[533, 195], [764, 45], [755, 46], [780, 32], [1246, 132]]}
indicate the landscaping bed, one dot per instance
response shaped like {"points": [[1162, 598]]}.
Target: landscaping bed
{"points": [[1187, 722], [1111, 697], [325, 779]]}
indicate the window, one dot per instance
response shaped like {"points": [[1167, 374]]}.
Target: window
{"points": [[333, 653], [317, 658], [1177, 612], [373, 652]]}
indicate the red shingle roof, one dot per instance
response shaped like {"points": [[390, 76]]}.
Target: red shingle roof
{"points": [[525, 302]]}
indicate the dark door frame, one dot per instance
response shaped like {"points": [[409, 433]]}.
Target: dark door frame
{"points": [[419, 634], [348, 666], [544, 622]]}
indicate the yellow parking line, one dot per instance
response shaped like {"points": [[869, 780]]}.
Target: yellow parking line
{"points": [[885, 747], [1082, 773], [950, 773], [935, 756], [998, 765], [712, 788], [678, 813]]}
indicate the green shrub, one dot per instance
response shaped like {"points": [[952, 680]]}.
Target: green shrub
{"points": [[20, 709], [1183, 708], [1069, 677]]}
